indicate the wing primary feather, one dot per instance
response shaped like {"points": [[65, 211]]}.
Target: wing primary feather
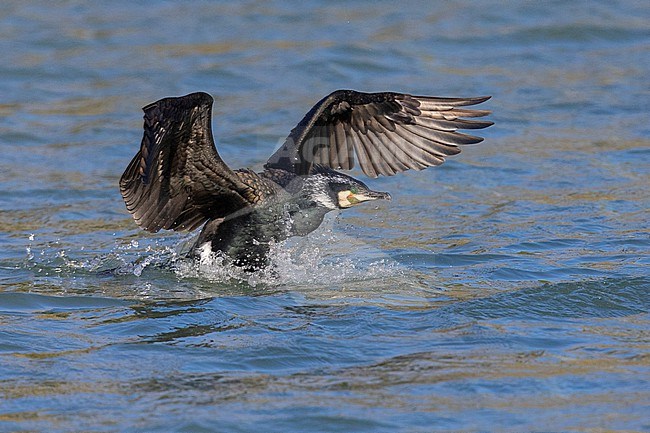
{"points": [[388, 154], [364, 159], [379, 163], [381, 167], [454, 113], [344, 150], [427, 146], [452, 125], [435, 103], [398, 153], [443, 137], [332, 147]]}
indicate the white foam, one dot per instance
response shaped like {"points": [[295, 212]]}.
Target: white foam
{"points": [[323, 258]]}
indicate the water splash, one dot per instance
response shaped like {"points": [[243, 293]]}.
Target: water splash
{"points": [[324, 258], [53, 258], [321, 258]]}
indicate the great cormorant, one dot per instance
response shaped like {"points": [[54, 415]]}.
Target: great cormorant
{"points": [[178, 181]]}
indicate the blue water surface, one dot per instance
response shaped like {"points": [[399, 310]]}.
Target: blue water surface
{"points": [[506, 290]]}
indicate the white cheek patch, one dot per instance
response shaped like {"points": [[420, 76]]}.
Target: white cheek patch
{"points": [[343, 199]]}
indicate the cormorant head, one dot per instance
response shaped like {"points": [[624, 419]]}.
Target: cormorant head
{"points": [[336, 190]]}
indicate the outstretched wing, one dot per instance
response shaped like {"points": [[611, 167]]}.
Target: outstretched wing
{"points": [[177, 179], [389, 132]]}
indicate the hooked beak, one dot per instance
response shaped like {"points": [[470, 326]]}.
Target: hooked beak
{"points": [[375, 195], [347, 198]]}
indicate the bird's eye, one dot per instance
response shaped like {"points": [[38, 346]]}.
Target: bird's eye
{"points": [[354, 190]]}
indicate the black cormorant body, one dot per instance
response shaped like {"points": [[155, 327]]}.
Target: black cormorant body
{"points": [[178, 181]]}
